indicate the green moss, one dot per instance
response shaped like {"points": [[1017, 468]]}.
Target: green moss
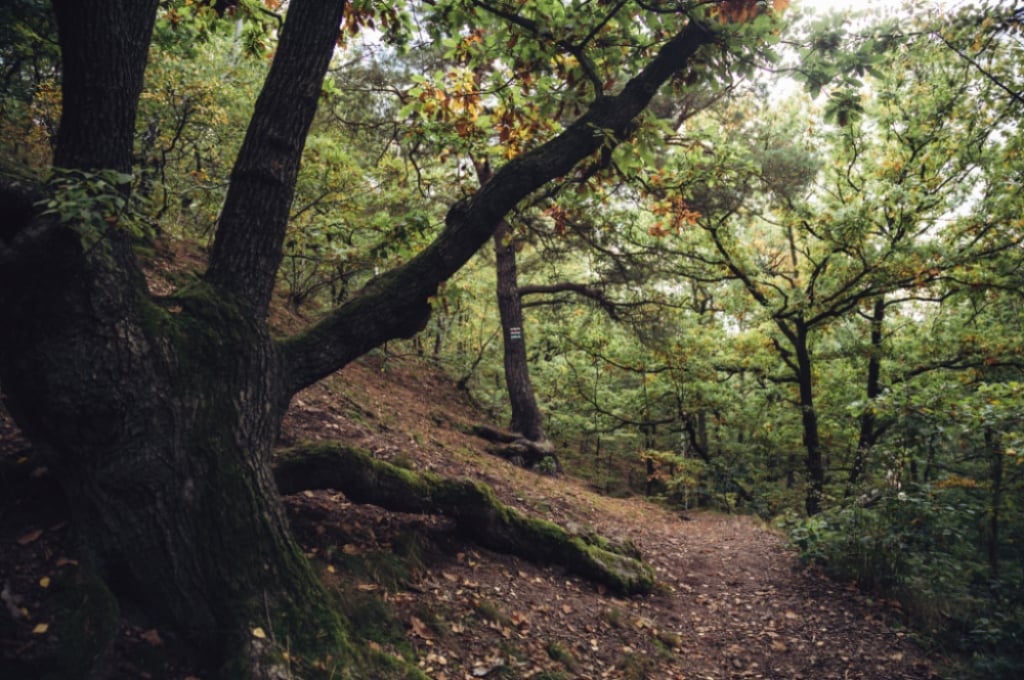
{"points": [[479, 515], [637, 666], [488, 610], [614, 617], [373, 619], [558, 652]]}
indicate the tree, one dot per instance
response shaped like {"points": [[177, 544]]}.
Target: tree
{"points": [[157, 415]]}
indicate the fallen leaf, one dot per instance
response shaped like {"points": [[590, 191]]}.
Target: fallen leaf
{"points": [[420, 629], [350, 549], [259, 633], [44, 582], [153, 637], [30, 537], [41, 628]]}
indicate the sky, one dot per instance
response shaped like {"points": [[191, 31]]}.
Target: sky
{"points": [[871, 5]]}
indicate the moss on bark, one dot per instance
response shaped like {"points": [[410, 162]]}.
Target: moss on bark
{"points": [[477, 512]]}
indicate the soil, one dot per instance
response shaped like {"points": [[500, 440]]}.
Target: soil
{"points": [[732, 601]]}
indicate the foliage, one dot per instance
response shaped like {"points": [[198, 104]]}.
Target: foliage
{"points": [[93, 202]]}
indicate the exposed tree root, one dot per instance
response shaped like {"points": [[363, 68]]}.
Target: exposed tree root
{"points": [[477, 513], [518, 450]]}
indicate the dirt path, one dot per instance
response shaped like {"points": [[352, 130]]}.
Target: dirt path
{"points": [[732, 603]]}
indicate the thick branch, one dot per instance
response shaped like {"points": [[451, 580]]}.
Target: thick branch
{"points": [[591, 292], [478, 514], [396, 304], [103, 55], [247, 248]]}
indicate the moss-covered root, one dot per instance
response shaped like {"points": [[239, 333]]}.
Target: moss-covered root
{"points": [[478, 514]]}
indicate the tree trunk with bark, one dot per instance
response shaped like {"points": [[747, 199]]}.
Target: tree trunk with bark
{"points": [[869, 427], [156, 415], [526, 416], [813, 461]]}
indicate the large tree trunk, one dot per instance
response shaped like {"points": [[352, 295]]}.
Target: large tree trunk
{"points": [[156, 418], [157, 421]]}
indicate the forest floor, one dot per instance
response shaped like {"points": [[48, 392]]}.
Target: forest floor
{"points": [[732, 601]]}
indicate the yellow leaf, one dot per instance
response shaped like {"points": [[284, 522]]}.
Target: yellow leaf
{"points": [[259, 633], [40, 628], [44, 582]]}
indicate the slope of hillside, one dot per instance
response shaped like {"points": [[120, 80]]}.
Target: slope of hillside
{"points": [[731, 602]]}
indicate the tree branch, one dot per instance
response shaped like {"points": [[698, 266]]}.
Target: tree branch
{"points": [[591, 292], [247, 247], [396, 304]]}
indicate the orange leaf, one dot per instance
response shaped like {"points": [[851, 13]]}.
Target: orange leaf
{"points": [[152, 637], [420, 629], [30, 537]]}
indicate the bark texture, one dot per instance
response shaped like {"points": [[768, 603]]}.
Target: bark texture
{"points": [[247, 248]]}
